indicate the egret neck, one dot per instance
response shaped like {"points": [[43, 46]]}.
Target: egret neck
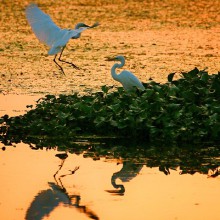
{"points": [[117, 65]]}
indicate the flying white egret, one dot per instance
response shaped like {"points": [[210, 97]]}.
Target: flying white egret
{"points": [[128, 80], [50, 34]]}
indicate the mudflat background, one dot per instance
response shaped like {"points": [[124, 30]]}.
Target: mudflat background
{"points": [[156, 37]]}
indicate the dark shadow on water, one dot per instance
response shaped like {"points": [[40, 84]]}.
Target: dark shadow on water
{"points": [[128, 171], [57, 194]]}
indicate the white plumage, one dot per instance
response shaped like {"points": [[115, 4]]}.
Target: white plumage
{"points": [[128, 80], [50, 34]]}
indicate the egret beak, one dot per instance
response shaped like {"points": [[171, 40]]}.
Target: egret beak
{"points": [[110, 59], [94, 25], [82, 25]]}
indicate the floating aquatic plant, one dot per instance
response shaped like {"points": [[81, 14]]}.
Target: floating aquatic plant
{"points": [[185, 110]]}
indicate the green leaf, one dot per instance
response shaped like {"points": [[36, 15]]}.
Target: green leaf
{"points": [[191, 74], [105, 89], [170, 77]]}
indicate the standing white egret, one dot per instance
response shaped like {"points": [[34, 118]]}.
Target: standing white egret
{"points": [[128, 80], [50, 34]]}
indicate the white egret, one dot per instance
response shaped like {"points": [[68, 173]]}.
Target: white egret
{"points": [[128, 80], [50, 34]]}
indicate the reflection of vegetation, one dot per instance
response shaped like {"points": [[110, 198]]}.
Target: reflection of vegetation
{"points": [[179, 110], [189, 159]]}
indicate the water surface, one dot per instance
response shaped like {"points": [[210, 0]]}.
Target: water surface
{"points": [[29, 188]]}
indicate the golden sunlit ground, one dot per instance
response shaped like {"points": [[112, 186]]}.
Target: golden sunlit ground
{"points": [[156, 37]]}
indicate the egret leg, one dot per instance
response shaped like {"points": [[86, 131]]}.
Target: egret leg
{"points": [[72, 64], [54, 60]]}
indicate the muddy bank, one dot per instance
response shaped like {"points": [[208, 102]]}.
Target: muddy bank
{"points": [[156, 38]]}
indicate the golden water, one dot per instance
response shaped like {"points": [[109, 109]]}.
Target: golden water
{"points": [[151, 194]]}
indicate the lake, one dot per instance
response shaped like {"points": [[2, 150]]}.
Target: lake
{"points": [[96, 180]]}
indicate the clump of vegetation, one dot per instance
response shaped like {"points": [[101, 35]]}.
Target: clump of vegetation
{"points": [[183, 110]]}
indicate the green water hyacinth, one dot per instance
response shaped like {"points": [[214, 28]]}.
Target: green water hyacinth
{"points": [[183, 110]]}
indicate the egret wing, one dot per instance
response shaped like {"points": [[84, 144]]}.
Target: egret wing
{"points": [[42, 25], [136, 82], [132, 81]]}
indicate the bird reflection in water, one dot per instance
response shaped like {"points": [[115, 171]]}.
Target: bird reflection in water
{"points": [[165, 169], [214, 172], [128, 171], [47, 200]]}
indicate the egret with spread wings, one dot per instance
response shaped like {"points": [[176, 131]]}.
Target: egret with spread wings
{"points": [[50, 34]]}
